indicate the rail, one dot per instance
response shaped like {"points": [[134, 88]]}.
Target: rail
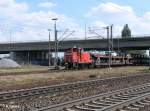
{"points": [[8, 96], [104, 102]]}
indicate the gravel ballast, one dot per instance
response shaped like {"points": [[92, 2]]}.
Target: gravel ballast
{"points": [[8, 63]]}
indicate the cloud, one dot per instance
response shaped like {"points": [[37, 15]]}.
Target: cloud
{"points": [[111, 13], [47, 4], [12, 7], [20, 24], [109, 7]]}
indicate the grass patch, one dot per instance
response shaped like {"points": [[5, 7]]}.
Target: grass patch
{"points": [[26, 68], [70, 76]]}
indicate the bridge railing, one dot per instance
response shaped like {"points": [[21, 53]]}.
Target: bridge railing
{"points": [[83, 38]]}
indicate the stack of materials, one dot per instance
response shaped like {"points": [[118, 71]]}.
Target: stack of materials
{"points": [[8, 63]]}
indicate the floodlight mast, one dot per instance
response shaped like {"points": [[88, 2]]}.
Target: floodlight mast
{"points": [[56, 44], [49, 49]]}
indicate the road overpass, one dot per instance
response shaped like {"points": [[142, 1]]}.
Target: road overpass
{"points": [[137, 43], [37, 52]]}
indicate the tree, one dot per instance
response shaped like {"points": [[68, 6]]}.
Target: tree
{"points": [[126, 32]]}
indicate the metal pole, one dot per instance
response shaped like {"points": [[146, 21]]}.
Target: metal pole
{"points": [[10, 35], [49, 52], [149, 58], [85, 31], [56, 51], [55, 62], [108, 46], [56, 48], [118, 45], [28, 57], [111, 37]]}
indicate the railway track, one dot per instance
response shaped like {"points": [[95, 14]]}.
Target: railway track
{"points": [[133, 98], [19, 94]]}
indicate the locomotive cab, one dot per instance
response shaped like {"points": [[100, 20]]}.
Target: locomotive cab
{"points": [[76, 58]]}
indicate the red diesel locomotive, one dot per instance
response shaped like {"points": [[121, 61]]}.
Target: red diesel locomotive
{"points": [[77, 58]]}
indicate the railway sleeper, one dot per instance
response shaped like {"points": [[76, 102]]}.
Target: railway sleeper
{"points": [[81, 108], [121, 98], [93, 106], [137, 105], [130, 108], [113, 100], [107, 102], [121, 110], [68, 109], [99, 103], [143, 103], [125, 96]]}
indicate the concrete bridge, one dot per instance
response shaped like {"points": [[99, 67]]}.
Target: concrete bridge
{"points": [[99, 44], [28, 51]]}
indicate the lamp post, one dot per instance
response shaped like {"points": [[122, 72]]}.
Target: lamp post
{"points": [[111, 45], [111, 36], [56, 44], [118, 46], [109, 55], [85, 31], [49, 50]]}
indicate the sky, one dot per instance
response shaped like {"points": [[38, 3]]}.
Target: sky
{"points": [[29, 20]]}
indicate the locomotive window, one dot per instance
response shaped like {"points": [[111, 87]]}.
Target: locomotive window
{"points": [[74, 49]]}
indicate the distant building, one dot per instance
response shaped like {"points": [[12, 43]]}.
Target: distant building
{"points": [[126, 32]]}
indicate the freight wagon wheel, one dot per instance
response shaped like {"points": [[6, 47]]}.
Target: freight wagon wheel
{"points": [[70, 65], [66, 66], [80, 66], [91, 65], [75, 65], [88, 66]]}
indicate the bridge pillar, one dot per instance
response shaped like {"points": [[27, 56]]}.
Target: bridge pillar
{"points": [[31, 57]]}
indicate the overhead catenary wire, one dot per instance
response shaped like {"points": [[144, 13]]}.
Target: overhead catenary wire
{"points": [[65, 37]]}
